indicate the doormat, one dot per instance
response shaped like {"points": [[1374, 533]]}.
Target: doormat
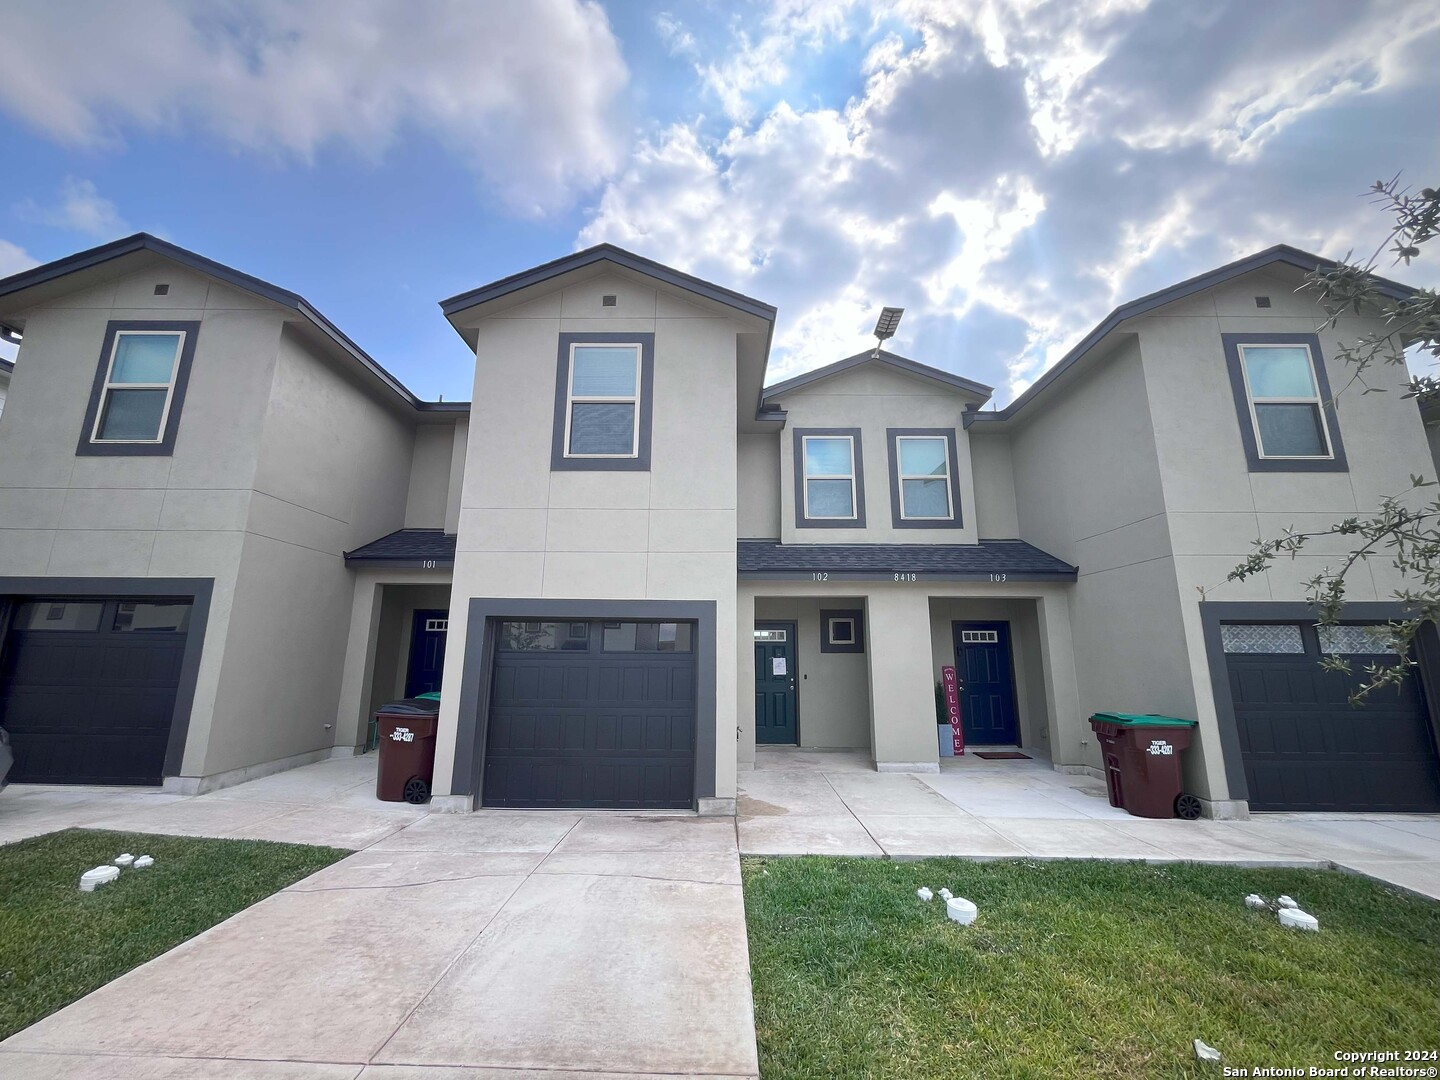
{"points": [[1000, 755]]}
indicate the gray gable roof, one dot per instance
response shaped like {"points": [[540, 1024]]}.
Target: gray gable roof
{"points": [[620, 257], [407, 546], [1280, 254], [1015, 558], [140, 242], [880, 359]]}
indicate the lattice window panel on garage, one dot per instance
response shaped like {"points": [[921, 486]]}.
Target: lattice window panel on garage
{"points": [[1355, 641], [1272, 638]]}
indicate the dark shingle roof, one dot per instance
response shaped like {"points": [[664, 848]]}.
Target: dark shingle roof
{"points": [[408, 545], [763, 557]]}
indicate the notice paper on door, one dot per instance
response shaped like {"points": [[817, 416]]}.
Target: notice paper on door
{"points": [[777, 665]]}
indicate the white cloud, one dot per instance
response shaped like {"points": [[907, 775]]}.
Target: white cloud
{"points": [[80, 207], [1010, 171], [526, 92]]}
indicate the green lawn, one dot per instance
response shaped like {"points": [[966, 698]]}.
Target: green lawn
{"points": [[1077, 969], [58, 944]]}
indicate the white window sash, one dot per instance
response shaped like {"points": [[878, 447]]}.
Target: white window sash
{"points": [[1315, 400], [571, 399], [168, 387], [900, 468], [805, 476]]}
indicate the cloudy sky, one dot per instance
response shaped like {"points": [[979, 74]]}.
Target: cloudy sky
{"points": [[1007, 172]]}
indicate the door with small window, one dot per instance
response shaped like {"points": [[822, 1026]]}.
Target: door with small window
{"points": [[987, 686], [427, 652]]}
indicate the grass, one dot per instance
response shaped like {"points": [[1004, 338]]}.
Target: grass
{"points": [[1077, 969], [57, 944]]}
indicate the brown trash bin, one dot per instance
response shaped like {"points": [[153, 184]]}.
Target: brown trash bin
{"points": [[407, 750], [1142, 756]]}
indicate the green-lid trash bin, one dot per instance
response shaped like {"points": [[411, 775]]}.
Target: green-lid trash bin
{"points": [[1142, 756]]}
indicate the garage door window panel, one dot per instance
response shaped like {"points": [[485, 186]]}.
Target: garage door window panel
{"points": [[1269, 638], [56, 615]]}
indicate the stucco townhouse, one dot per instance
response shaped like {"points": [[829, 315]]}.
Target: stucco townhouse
{"points": [[227, 534]]}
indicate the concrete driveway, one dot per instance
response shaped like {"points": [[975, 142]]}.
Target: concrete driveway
{"points": [[500, 945]]}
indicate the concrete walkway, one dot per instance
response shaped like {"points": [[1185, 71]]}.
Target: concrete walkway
{"points": [[502, 945], [798, 802]]}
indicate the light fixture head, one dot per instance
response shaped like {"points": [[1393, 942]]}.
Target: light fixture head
{"points": [[889, 321]]}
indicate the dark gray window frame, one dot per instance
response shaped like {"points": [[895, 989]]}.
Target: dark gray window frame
{"points": [[641, 461], [1213, 613], [1248, 437], [802, 519], [486, 613], [198, 590], [856, 646], [892, 450], [166, 446]]}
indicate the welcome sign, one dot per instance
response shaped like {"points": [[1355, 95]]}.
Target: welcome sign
{"points": [[951, 686]]}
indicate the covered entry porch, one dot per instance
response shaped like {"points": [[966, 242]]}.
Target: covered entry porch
{"points": [[855, 666]]}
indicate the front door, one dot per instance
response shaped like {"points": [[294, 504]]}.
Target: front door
{"points": [[427, 652], [987, 691], [775, 683]]}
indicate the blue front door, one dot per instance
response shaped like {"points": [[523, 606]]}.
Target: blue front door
{"points": [[427, 652], [775, 682], [987, 690]]}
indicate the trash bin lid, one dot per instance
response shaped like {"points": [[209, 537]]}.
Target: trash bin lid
{"points": [[1141, 720], [433, 695], [411, 707]]}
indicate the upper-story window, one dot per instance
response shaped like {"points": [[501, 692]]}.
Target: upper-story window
{"points": [[1282, 397], [829, 485], [139, 388], [924, 490], [602, 402]]}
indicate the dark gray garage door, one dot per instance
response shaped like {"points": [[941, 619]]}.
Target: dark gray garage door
{"points": [[592, 714], [1305, 747], [87, 688]]}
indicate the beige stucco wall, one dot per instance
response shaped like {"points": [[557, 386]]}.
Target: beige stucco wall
{"points": [[996, 514], [333, 472], [429, 486], [668, 533], [832, 689], [759, 487], [1088, 489], [873, 399], [4, 389]]}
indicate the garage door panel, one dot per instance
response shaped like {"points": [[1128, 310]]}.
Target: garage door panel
{"points": [[1305, 747], [584, 727]]}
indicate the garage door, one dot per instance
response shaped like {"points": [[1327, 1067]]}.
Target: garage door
{"points": [[1305, 747], [592, 714], [87, 688]]}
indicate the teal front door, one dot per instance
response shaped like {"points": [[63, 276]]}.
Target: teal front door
{"points": [[775, 682]]}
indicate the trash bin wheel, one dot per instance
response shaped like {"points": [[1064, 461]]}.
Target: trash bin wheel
{"points": [[1187, 807], [417, 791]]}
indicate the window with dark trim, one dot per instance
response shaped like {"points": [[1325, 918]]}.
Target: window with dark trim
{"points": [[829, 479], [603, 402], [842, 631], [924, 478], [139, 389], [1287, 420]]}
